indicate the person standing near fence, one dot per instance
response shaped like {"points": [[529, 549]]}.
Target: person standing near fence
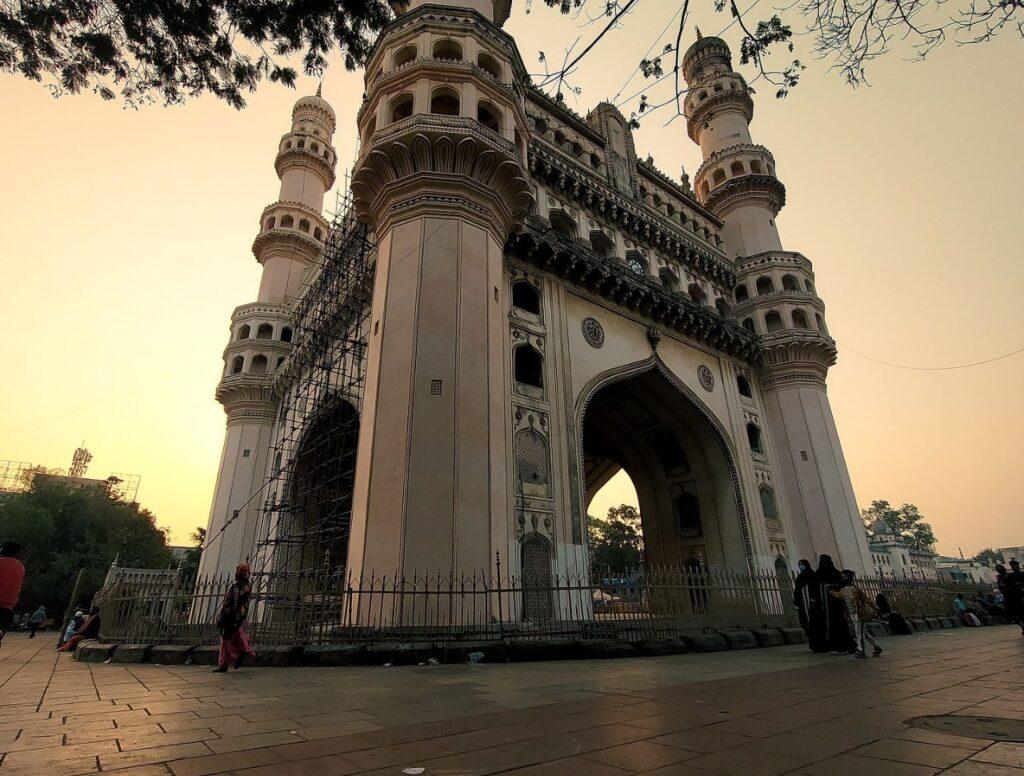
{"points": [[858, 611], [234, 643], [802, 594], [12, 575], [828, 620], [1013, 595]]}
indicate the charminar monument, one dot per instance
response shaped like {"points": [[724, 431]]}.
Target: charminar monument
{"points": [[541, 308]]}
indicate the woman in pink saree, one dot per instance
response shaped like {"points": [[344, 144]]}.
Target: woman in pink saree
{"points": [[234, 643]]}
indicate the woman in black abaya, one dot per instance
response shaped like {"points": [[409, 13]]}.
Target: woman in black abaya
{"points": [[832, 632], [802, 594]]}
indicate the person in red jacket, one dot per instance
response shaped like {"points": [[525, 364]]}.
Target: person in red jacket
{"points": [[12, 574]]}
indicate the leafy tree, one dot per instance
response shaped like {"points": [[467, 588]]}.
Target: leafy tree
{"points": [[989, 557], [63, 529], [906, 522], [174, 49], [616, 542], [190, 562]]}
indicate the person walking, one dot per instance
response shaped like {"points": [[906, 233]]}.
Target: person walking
{"points": [[90, 629], [858, 611], [12, 576], [35, 622], [234, 643], [802, 594], [1013, 595]]}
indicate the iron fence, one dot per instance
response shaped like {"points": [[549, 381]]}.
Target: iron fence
{"points": [[658, 603]]}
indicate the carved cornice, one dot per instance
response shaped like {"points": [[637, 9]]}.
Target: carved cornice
{"points": [[795, 356], [718, 102], [611, 279], [675, 187], [775, 298], [261, 309], [636, 220], [766, 189], [306, 247], [451, 160], [247, 397]]}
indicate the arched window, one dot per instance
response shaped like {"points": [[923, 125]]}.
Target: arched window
{"points": [[755, 167], [265, 331], [528, 366], [773, 322], [686, 506], [405, 55], [669, 278], [602, 243], [765, 285], [488, 115], [789, 283], [401, 107], [237, 365], [303, 224], [800, 320], [636, 263], [697, 294], [722, 306], [719, 176], [531, 457], [535, 565], [768, 506], [743, 386], [259, 365], [736, 168], [447, 49], [280, 361], [314, 147], [525, 297], [286, 334], [317, 234], [270, 223], [489, 64], [288, 222], [748, 324], [754, 438], [808, 286], [244, 332], [704, 189], [371, 127], [562, 223], [742, 294], [445, 102], [820, 322]]}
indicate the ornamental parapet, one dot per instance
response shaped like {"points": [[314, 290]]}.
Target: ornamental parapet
{"points": [[773, 259], [261, 309], [429, 161], [306, 158], [745, 189], [740, 149], [635, 220], [386, 79], [611, 279], [774, 298]]}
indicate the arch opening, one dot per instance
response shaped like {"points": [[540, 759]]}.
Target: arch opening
{"points": [[445, 102], [647, 428]]}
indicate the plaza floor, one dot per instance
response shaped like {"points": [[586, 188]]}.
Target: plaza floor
{"points": [[749, 713]]}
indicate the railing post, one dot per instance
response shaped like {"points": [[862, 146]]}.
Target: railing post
{"points": [[501, 610]]}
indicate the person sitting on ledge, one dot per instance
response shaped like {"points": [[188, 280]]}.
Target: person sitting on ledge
{"points": [[90, 630]]}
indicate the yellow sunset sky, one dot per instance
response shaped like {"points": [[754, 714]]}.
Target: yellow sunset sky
{"points": [[127, 234]]}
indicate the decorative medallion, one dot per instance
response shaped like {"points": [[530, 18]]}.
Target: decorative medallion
{"points": [[707, 379], [593, 333]]}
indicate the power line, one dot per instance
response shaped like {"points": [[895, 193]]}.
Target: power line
{"points": [[934, 368]]}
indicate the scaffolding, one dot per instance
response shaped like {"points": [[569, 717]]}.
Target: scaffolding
{"points": [[302, 536]]}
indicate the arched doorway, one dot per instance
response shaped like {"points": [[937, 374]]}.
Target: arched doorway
{"points": [[320, 493], [643, 421]]}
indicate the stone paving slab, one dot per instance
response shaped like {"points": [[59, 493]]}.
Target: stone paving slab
{"points": [[748, 713]]}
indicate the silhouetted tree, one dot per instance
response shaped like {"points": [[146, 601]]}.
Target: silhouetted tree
{"points": [[616, 542], [906, 522]]}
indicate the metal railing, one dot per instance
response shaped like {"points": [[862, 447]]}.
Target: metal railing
{"points": [[652, 604]]}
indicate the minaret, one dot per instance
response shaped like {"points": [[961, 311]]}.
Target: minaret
{"points": [[441, 178], [291, 234], [776, 297]]}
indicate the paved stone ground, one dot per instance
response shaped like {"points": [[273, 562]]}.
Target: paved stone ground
{"points": [[748, 713]]}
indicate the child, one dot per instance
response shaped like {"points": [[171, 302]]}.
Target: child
{"points": [[859, 610]]}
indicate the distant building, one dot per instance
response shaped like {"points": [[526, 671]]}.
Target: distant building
{"points": [[18, 476], [893, 558], [1011, 553], [961, 570]]}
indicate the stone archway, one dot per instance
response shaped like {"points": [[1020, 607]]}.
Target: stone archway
{"points": [[645, 421]]}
